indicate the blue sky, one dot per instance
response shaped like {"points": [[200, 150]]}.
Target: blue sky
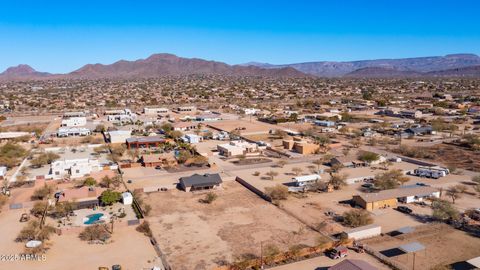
{"points": [[61, 36]]}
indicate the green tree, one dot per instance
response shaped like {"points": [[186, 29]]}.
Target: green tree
{"points": [[90, 181], [110, 197], [368, 157], [444, 210]]}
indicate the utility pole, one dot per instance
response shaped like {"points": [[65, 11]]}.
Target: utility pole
{"points": [[261, 254]]}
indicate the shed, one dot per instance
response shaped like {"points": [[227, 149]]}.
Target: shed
{"points": [[363, 232], [127, 198]]}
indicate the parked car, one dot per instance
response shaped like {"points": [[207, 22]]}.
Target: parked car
{"points": [[116, 267], [158, 167], [367, 185], [338, 252], [404, 209], [422, 184]]}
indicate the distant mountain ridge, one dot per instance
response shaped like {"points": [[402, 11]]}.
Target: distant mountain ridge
{"points": [[419, 64], [164, 64], [169, 64], [22, 70]]}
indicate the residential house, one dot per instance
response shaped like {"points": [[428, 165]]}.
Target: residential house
{"points": [[118, 136], [351, 264], [300, 146], [200, 182], [390, 197], [162, 160], [74, 122], [238, 148], [74, 168], [155, 111], [84, 197], [347, 162], [192, 138], [73, 131], [145, 142]]}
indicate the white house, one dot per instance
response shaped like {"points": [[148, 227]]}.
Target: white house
{"points": [[75, 168], [153, 111], [125, 115], [192, 138], [74, 122], [250, 111], [208, 117], [73, 131], [237, 148], [119, 136]]}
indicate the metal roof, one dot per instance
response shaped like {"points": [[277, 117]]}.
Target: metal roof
{"points": [[475, 262], [406, 229], [350, 264], [412, 247]]}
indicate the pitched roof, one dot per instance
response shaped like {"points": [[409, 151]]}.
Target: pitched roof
{"points": [[350, 264], [198, 180]]}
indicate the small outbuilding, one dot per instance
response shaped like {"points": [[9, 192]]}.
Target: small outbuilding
{"points": [[127, 198]]}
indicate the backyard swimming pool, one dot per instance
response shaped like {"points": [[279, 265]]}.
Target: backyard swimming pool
{"points": [[93, 219]]}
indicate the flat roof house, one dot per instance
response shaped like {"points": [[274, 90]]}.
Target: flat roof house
{"points": [[73, 131], [390, 197], [74, 168], [145, 142], [192, 138], [119, 136], [237, 148], [162, 160], [74, 122], [85, 197], [200, 182]]}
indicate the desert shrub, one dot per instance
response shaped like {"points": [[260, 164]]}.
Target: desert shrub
{"points": [[95, 232], [210, 197], [144, 228], [43, 192], [32, 231], [356, 218], [278, 192], [3, 201]]}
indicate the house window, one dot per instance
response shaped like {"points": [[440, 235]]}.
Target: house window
{"points": [[57, 173], [77, 171]]}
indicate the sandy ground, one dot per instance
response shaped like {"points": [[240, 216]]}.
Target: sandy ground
{"points": [[129, 248], [444, 245], [323, 262], [233, 225], [251, 127]]}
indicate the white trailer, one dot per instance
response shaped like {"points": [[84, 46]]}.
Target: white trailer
{"points": [[431, 172], [363, 232], [304, 180]]}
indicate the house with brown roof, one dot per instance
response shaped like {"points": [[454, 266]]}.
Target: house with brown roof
{"points": [[162, 160], [85, 197], [391, 197]]}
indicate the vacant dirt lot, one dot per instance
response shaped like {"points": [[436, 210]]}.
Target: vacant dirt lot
{"points": [[233, 225], [444, 245], [456, 156]]}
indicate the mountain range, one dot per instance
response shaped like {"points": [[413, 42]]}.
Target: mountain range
{"points": [[453, 65]]}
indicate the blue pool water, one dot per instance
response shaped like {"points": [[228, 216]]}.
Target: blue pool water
{"points": [[93, 218]]}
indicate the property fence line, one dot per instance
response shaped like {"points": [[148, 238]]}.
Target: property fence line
{"points": [[384, 259], [253, 189]]}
